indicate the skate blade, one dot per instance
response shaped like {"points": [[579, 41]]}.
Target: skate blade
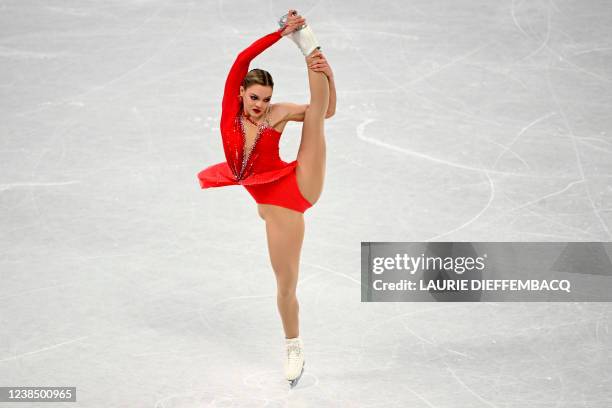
{"points": [[293, 383]]}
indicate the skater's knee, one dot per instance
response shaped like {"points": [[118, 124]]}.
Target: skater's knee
{"points": [[316, 109], [286, 272], [286, 293]]}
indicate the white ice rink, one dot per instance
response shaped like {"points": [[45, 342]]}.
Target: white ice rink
{"points": [[456, 121]]}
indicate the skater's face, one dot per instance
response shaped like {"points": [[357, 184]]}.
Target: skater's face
{"points": [[256, 99]]}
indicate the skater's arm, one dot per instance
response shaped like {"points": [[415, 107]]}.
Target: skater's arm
{"points": [[292, 111], [295, 112], [331, 109], [231, 103]]}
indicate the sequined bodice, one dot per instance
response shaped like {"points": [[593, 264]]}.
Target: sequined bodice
{"points": [[263, 154]]}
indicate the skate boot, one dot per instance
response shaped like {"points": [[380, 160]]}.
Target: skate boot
{"points": [[303, 37], [294, 362]]}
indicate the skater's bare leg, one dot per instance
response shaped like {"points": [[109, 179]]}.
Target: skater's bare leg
{"points": [[311, 155], [285, 234]]}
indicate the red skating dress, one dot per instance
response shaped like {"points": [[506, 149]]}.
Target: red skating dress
{"points": [[261, 171]]}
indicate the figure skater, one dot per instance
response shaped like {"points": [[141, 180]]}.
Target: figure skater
{"points": [[251, 127]]}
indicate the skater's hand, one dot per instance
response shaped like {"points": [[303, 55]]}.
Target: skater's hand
{"points": [[318, 63], [294, 21]]}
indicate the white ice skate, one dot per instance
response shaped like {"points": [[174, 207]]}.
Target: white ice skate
{"points": [[303, 37], [294, 363]]}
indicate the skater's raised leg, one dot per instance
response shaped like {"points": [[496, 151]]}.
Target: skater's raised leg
{"points": [[311, 155]]}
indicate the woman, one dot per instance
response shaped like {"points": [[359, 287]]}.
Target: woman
{"points": [[251, 127]]}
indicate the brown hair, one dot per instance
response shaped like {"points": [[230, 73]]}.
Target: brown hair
{"points": [[258, 76]]}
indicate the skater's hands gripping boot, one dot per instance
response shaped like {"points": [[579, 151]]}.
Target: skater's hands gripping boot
{"points": [[318, 63], [294, 22]]}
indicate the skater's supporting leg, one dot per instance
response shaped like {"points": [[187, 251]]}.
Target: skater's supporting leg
{"points": [[285, 234]]}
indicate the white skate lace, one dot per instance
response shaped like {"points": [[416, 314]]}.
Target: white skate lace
{"points": [[294, 352]]}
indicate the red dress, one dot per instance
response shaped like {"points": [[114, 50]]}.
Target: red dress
{"points": [[261, 171]]}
